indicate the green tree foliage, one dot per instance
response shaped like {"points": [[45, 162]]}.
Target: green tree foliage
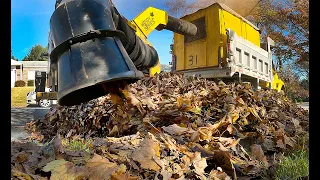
{"points": [[12, 56], [35, 54], [305, 83], [287, 23], [296, 89]]}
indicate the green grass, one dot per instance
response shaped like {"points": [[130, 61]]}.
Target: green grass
{"points": [[293, 166], [303, 142], [77, 144], [18, 96]]}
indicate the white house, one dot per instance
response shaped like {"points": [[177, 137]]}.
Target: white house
{"points": [[16, 71], [29, 68], [25, 70]]}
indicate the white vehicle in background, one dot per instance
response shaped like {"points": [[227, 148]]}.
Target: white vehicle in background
{"points": [[31, 100]]}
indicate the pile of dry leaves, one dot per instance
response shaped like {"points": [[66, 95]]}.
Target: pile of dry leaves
{"points": [[164, 127]]}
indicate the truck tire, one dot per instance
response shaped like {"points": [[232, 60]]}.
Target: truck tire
{"points": [[45, 103]]}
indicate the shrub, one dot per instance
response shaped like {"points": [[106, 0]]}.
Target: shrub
{"points": [[30, 82], [20, 83]]}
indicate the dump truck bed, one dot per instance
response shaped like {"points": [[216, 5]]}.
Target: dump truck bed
{"points": [[212, 52], [209, 47], [244, 58]]}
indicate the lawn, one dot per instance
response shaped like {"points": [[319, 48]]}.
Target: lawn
{"points": [[18, 96], [293, 166]]}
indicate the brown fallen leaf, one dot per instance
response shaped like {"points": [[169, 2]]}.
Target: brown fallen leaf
{"points": [[115, 99], [229, 118], [186, 161], [144, 154], [230, 128], [36, 136], [263, 112], [195, 137], [174, 129], [169, 143], [240, 101], [22, 157], [20, 175], [254, 113], [289, 141], [114, 131], [218, 175], [181, 120], [222, 122], [177, 170], [196, 110], [101, 168], [149, 103], [134, 101], [166, 175], [205, 133], [252, 169], [229, 142], [123, 176], [280, 144], [184, 104], [203, 92], [257, 151], [16, 174], [235, 117], [57, 145], [223, 159], [199, 164], [64, 170], [268, 144], [296, 123]]}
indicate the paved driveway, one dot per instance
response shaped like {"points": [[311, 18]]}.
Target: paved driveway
{"points": [[304, 105], [21, 116]]}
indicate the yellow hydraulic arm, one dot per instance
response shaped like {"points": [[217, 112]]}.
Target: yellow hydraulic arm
{"points": [[153, 18]]}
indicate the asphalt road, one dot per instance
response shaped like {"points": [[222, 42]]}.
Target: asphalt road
{"points": [[21, 116]]}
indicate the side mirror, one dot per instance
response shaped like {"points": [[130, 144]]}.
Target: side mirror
{"points": [[231, 34]]}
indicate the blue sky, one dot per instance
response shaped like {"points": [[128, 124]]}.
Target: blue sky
{"points": [[30, 24]]}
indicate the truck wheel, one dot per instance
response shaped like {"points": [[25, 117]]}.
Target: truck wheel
{"points": [[45, 103]]}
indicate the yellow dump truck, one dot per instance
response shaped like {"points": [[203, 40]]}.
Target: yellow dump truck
{"points": [[226, 46]]}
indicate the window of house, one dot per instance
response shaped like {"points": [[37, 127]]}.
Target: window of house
{"points": [[31, 74]]}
